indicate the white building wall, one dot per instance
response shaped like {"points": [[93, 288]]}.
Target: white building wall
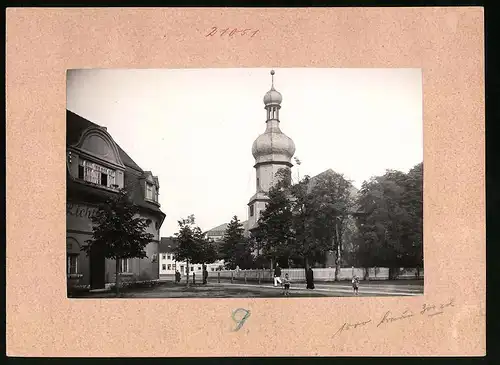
{"points": [[168, 265]]}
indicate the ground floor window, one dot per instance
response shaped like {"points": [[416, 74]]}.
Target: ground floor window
{"points": [[72, 264], [169, 267], [164, 267], [182, 268], [124, 265]]}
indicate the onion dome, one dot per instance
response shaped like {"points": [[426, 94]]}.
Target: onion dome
{"points": [[273, 97], [273, 145]]}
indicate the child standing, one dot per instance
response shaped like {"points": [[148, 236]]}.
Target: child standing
{"points": [[286, 285], [355, 284]]}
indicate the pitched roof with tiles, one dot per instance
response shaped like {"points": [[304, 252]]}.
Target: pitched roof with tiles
{"points": [[75, 126], [216, 230], [167, 245], [221, 229]]}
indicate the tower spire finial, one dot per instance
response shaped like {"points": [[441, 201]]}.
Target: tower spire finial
{"points": [[272, 79]]}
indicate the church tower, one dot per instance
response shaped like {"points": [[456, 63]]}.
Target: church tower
{"points": [[272, 151]]}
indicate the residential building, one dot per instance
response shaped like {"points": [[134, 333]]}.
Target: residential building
{"points": [[96, 167], [169, 264]]}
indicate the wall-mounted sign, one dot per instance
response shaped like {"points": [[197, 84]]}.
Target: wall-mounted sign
{"points": [[80, 210]]}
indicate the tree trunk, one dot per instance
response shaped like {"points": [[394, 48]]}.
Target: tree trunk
{"points": [[306, 265], [187, 273], [117, 276], [337, 260]]}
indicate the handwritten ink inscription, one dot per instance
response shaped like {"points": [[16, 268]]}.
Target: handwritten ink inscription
{"points": [[231, 32], [389, 317], [347, 326], [243, 317]]}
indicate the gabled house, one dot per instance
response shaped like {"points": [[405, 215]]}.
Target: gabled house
{"points": [[96, 167]]}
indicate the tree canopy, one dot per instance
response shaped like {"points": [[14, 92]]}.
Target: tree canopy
{"points": [[193, 245], [236, 249], [118, 231], [306, 219], [390, 227]]}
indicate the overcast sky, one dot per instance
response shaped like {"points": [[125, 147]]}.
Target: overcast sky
{"points": [[194, 128]]}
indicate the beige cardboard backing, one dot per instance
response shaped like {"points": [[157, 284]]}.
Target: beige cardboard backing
{"points": [[447, 43]]}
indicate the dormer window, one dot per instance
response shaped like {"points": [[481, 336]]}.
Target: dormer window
{"points": [[96, 174], [150, 191]]}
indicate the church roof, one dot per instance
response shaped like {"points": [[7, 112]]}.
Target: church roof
{"points": [[221, 229]]}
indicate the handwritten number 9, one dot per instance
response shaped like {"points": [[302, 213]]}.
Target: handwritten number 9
{"points": [[241, 321]]}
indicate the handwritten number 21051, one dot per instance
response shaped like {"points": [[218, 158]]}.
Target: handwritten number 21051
{"points": [[230, 32]]}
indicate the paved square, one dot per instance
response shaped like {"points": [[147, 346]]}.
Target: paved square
{"points": [[267, 290]]}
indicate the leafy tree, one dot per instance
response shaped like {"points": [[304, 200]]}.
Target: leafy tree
{"points": [[390, 230], [332, 203], [274, 230], [207, 251], [233, 237], [236, 249], [303, 244], [303, 220], [413, 203], [193, 245], [187, 248], [118, 233]]}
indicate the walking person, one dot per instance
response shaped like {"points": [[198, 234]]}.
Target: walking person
{"points": [[286, 285], [177, 276], [355, 284], [310, 278], [277, 275]]}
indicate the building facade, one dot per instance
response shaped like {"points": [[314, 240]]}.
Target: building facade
{"points": [[168, 264], [96, 168], [272, 150]]}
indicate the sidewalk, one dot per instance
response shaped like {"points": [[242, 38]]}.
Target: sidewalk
{"points": [[342, 288]]}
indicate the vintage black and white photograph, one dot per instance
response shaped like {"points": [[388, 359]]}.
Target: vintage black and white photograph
{"points": [[244, 182]]}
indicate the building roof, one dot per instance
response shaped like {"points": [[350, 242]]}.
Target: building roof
{"points": [[167, 244], [75, 126], [221, 229], [216, 230]]}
